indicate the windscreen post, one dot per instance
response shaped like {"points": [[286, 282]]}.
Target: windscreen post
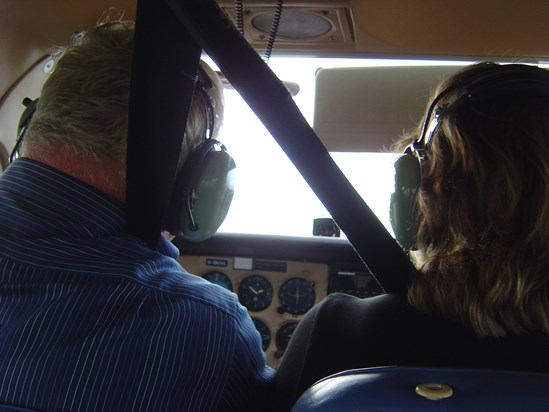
{"points": [[164, 67]]}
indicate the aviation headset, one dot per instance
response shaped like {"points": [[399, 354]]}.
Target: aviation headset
{"points": [[204, 185], [479, 87]]}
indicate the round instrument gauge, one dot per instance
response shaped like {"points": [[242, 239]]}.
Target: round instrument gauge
{"points": [[264, 331], [219, 278], [256, 293], [284, 335], [297, 296]]}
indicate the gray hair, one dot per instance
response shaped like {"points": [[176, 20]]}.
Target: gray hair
{"points": [[84, 103]]}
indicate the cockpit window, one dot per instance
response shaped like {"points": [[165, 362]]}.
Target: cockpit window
{"points": [[271, 197]]}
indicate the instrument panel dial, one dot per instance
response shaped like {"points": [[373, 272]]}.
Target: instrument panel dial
{"points": [[283, 337], [219, 278], [296, 296], [255, 293], [264, 331]]}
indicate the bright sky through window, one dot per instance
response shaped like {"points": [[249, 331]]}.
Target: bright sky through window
{"points": [[271, 196]]}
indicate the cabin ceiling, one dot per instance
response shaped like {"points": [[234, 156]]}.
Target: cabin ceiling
{"points": [[458, 30], [499, 30]]}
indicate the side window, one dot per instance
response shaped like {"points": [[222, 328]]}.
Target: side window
{"points": [[4, 155]]}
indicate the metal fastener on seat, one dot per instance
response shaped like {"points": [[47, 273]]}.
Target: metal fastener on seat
{"points": [[434, 391]]}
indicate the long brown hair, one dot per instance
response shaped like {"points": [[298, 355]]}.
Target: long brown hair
{"points": [[483, 238]]}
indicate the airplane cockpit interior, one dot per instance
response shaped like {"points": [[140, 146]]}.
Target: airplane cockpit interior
{"points": [[315, 94]]}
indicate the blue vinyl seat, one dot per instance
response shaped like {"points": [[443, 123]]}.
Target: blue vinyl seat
{"points": [[396, 388]]}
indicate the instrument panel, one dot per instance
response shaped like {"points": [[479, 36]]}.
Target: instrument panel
{"points": [[276, 293], [278, 278]]}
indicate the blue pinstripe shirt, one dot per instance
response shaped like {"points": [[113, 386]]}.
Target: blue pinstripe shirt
{"points": [[93, 320]]}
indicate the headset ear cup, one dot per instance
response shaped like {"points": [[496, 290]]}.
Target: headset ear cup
{"points": [[203, 192], [403, 213], [23, 125]]}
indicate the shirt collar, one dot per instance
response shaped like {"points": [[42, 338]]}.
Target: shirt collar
{"points": [[38, 201]]}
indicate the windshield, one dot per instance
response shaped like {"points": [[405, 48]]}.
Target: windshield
{"points": [[271, 197]]}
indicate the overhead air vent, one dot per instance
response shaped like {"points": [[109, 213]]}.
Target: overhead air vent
{"points": [[301, 29], [294, 24]]}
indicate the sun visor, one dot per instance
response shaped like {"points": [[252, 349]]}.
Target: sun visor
{"points": [[364, 109]]}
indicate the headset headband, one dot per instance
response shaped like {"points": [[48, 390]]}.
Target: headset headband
{"points": [[203, 84], [483, 86]]}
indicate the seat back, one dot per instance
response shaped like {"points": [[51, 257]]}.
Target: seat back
{"points": [[427, 389]]}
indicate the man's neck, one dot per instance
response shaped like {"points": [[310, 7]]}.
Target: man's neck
{"points": [[107, 175]]}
